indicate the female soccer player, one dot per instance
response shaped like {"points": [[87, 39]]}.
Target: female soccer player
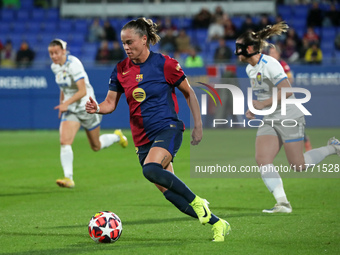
{"points": [[265, 73], [149, 80], [75, 90], [275, 52]]}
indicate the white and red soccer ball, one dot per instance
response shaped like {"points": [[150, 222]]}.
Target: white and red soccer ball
{"points": [[105, 227]]}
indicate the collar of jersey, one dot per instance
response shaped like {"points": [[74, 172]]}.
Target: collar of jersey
{"points": [[67, 60], [139, 64], [260, 59]]}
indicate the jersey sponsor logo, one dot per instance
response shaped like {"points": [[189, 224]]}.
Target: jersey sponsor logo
{"points": [[259, 78], [139, 77], [126, 72], [139, 94], [178, 67]]}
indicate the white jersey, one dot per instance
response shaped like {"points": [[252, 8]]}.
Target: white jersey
{"points": [[264, 76], [66, 77]]}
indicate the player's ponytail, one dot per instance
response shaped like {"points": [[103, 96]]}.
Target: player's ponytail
{"points": [[258, 39], [144, 26]]}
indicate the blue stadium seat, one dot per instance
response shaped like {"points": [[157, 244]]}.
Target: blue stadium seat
{"points": [[38, 14], [76, 38], [34, 27], [63, 36], [186, 23], [5, 28], [237, 21], [8, 15], [317, 30], [31, 39], [328, 33], [66, 25], [20, 27], [23, 15], [301, 11], [49, 26], [285, 11], [89, 50], [52, 15], [27, 4], [155, 48], [16, 40], [81, 26]]}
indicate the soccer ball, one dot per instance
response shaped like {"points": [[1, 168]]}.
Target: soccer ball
{"points": [[105, 227]]}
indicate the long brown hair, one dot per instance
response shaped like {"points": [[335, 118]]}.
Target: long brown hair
{"points": [[258, 39], [144, 26]]}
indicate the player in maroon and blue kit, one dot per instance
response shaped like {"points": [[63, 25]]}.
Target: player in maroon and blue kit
{"points": [[149, 80]]}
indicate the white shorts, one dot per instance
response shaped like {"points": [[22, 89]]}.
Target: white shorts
{"points": [[288, 131], [86, 120]]}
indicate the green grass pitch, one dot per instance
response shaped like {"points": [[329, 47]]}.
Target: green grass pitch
{"points": [[37, 217]]}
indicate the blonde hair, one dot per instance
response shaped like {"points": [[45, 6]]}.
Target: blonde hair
{"points": [[144, 26], [258, 39]]}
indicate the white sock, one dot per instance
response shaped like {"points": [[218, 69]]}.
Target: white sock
{"points": [[315, 156], [107, 140], [273, 181], [66, 158]]}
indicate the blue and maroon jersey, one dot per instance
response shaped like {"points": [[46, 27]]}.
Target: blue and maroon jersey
{"points": [[150, 93]]}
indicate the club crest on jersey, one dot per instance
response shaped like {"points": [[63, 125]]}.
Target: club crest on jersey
{"points": [[259, 78], [139, 94], [139, 77]]}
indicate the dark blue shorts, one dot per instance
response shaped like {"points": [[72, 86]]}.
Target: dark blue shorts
{"points": [[169, 139]]}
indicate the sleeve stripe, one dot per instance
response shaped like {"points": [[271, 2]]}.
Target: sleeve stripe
{"points": [[179, 81], [280, 80], [79, 79]]}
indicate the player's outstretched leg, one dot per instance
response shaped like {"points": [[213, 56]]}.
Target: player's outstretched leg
{"points": [[201, 209], [65, 183], [220, 229], [280, 208], [122, 139], [66, 159], [335, 143]]}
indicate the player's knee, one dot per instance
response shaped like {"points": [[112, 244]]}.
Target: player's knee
{"points": [[297, 166], [95, 147], [151, 170]]}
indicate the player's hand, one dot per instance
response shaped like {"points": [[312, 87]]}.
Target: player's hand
{"points": [[91, 106], [250, 115], [62, 108], [258, 105], [196, 135]]}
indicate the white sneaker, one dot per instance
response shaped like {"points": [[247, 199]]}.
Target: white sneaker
{"points": [[335, 143], [280, 208]]}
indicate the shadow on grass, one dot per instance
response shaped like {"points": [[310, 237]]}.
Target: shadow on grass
{"points": [[133, 245]]}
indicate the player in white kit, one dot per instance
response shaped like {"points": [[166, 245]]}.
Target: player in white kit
{"points": [[265, 73], [75, 90]]}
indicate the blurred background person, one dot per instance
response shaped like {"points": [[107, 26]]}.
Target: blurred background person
{"points": [[96, 31], [104, 55], [117, 53], [193, 59], [216, 29], [313, 54], [202, 19], [8, 55], [110, 32], [222, 53], [25, 56]]}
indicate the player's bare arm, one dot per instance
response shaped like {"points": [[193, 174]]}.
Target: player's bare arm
{"points": [[77, 96], [193, 104], [259, 105], [107, 106]]}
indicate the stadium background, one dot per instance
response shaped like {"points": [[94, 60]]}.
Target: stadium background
{"points": [[29, 95]]}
